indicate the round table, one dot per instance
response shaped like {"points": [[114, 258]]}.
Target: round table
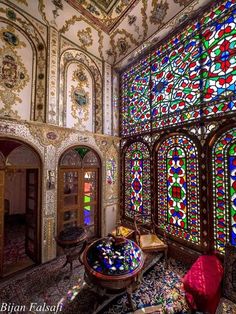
{"points": [[113, 264], [70, 239]]}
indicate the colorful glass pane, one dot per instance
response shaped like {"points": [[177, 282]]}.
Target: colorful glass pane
{"points": [[181, 171], [136, 99], [232, 173], [193, 75], [177, 185], [137, 172], [218, 58], [176, 81], [223, 161]]}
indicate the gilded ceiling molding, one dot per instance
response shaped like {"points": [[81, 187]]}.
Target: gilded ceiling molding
{"points": [[144, 19], [106, 14], [77, 56], [41, 8], [48, 134]]}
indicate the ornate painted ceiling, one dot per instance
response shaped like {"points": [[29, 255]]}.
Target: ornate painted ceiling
{"points": [[135, 25], [116, 31], [104, 13]]}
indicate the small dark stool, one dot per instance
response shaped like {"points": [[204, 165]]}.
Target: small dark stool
{"points": [[70, 239]]}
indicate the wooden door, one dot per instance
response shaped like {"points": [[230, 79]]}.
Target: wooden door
{"points": [[78, 199], [2, 189], [90, 199], [68, 215], [31, 227]]}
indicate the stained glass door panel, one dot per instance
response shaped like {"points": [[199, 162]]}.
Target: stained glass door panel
{"points": [[90, 201]]}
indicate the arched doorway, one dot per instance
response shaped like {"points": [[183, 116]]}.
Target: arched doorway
{"points": [[19, 206], [79, 197]]}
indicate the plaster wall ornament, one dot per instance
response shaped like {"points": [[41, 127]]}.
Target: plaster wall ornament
{"points": [[13, 73], [76, 56], [36, 40], [49, 135], [53, 76], [107, 100], [85, 38], [159, 11], [115, 104]]}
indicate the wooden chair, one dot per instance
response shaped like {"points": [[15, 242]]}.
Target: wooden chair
{"points": [[146, 237]]}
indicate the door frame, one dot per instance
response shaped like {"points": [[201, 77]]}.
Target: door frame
{"points": [[99, 184], [39, 213]]}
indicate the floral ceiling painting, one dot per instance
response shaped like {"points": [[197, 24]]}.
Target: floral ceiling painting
{"points": [[132, 26], [104, 13]]}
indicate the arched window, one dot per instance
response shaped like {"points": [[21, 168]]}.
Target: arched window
{"points": [[137, 180], [178, 188], [224, 190]]}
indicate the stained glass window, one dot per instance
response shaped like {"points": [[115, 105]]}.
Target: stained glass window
{"points": [[177, 188], [190, 77], [137, 180], [224, 190], [136, 99]]}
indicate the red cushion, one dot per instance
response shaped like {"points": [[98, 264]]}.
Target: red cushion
{"points": [[202, 283]]}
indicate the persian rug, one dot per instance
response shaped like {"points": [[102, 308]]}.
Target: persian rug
{"points": [[161, 288], [51, 284], [14, 246]]}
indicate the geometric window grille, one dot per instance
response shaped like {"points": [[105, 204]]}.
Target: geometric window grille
{"points": [[178, 188], [224, 190], [137, 180]]}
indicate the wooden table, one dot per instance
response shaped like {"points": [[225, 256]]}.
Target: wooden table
{"points": [[70, 240]]}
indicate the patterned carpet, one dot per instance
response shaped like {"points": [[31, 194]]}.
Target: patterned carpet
{"points": [[14, 243], [51, 284], [160, 286]]}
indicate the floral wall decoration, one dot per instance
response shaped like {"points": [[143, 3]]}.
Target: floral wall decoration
{"points": [[23, 41], [85, 37], [80, 96], [81, 86], [13, 74], [111, 171], [159, 11]]}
